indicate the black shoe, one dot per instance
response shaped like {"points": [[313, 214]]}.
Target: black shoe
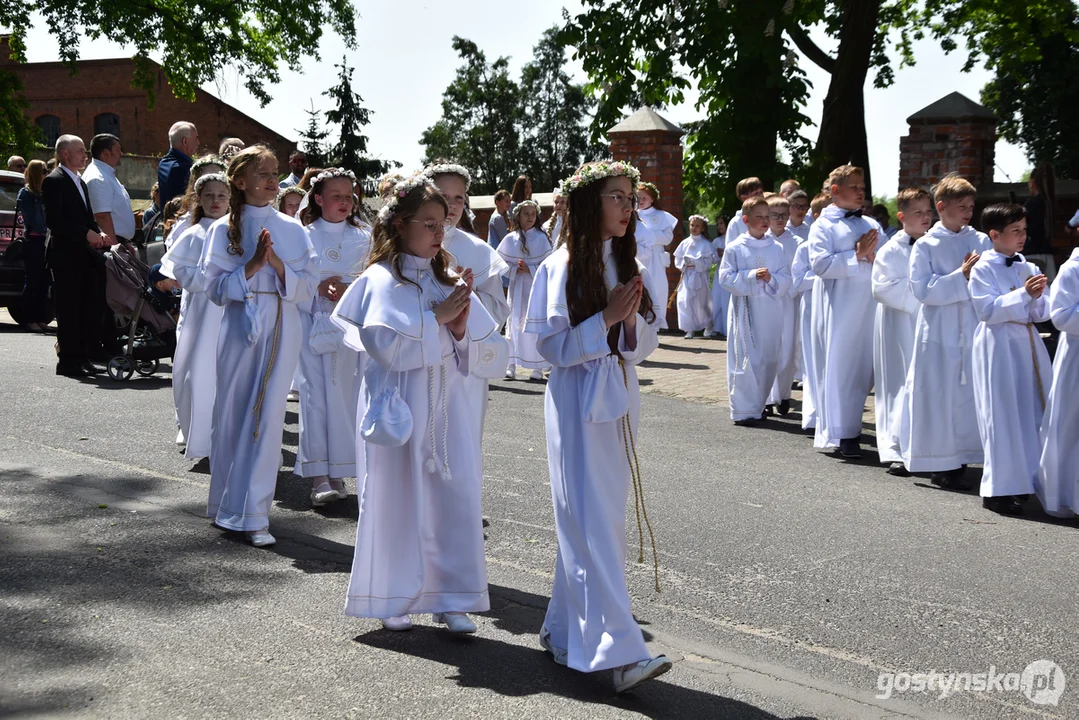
{"points": [[71, 371], [898, 469], [1004, 505], [949, 480], [785, 408], [90, 369], [850, 448], [748, 422], [769, 411]]}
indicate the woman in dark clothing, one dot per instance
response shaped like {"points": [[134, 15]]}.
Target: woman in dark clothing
{"points": [[29, 204], [1040, 207]]}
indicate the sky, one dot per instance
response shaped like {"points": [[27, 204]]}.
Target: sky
{"points": [[404, 62]]}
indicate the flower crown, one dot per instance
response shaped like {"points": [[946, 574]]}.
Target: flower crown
{"points": [[332, 173], [292, 190], [702, 218], [205, 179], [652, 189], [523, 204], [599, 171], [401, 191], [210, 159], [449, 169]]}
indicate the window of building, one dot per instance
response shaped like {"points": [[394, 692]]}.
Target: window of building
{"points": [[50, 126], [107, 123]]}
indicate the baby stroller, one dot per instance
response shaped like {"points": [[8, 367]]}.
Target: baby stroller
{"points": [[151, 335]]}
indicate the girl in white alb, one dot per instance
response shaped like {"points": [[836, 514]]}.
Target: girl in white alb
{"points": [[695, 257], [259, 266], [329, 370], [419, 536], [523, 249], [654, 232], [594, 321], [194, 366]]}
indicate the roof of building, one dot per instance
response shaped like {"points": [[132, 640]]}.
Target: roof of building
{"points": [[953, 107], [646, 120]]}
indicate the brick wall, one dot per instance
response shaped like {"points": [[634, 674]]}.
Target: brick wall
{"points": [[932, 149], [104, 86]]}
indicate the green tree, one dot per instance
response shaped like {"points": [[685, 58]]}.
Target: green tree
{"points": [[313, 138], [750, 86], [194, 39], [1035, 96], [479, 128], [554, 134], [352, 117]]}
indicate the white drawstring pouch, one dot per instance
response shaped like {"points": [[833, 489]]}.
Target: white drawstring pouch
{"points": [[604, 397], [387, 420], [326, 336]]}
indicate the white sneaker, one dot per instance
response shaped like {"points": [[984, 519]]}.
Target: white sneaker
{"points": [[180, 437], [293, 396], [323, 493], [558, 654], [456, 622], [536, 375], [689, 335], [261, 538], [399, 623], [630, 676], [511, 372]]}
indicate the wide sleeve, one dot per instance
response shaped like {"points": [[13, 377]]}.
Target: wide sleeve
{"points": [[931, 288], [891, 281], [992, 305], [735, 281], [558, 342], [399, 353], [182, 260], [827, 262], [1064, 299], [225, 283], [780, 283], [301, 276], [680, 254], [491, 294], [801, 272]]}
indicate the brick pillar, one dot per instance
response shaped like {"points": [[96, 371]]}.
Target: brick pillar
{"points": [[953, 135], [654, 145]]}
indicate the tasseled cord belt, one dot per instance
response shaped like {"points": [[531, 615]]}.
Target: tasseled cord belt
{"points": [[638, 489], [435, 464], [274, 346]]}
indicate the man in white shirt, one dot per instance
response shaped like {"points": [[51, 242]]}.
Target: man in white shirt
{"points": [[108, 197], [297, 165]]}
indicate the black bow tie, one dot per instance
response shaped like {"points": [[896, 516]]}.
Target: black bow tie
{"points": [[853, 213], [912, 240], [1012, 260]]}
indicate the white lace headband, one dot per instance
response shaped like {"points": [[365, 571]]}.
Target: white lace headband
{"points": [[400, 191], [449, 169], [702, 218], [599, 171], [523, 204], [205, 179], [331, 173]]}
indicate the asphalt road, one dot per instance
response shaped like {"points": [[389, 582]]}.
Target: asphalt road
{"points": [[790, 580]]}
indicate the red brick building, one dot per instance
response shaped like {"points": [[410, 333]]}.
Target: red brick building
{"points": [[100, 98]]}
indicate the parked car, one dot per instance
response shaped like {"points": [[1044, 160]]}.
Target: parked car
{"points": [[12, 275]]}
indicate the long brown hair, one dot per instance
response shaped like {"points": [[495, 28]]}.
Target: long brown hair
{"points": [[190, 197], [582, 234], [388, 245], [35, 175], [238, 165], [313, 211], [520, 188], [197, 213]]}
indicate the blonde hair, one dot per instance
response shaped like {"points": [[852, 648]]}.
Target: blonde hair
{"points": [[953, 187], [751, 203], [237, 198], [819, 202], [778, 200], [842, 174], [35, 175], [909, 196]]}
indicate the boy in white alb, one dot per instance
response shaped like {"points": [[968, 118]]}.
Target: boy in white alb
{"points": [[695, 256], [799, 208], [842, 246], [1058, 485], [941, 432], [721, 299], [897, 313], [755, 272], [1010, 365], [779, 400]]}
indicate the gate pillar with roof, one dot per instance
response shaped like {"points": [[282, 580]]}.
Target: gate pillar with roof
{"points": [[654, 145]]}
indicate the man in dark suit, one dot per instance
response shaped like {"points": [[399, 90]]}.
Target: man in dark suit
{"points": [[74, 245], [174, 170]]}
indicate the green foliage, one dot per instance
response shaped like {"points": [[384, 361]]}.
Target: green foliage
{"points": [[195, 39], [352, 117], [313, 138], [17, 134]]}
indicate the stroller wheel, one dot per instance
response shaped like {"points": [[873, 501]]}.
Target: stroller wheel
{"points": [[120, 368], [146, 368]]}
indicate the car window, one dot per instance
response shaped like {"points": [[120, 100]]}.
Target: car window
{"points": [[9, 190]]}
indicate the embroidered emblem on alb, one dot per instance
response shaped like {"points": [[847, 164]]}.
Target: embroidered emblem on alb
{"points": [[759, 262], [333, 254]]}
